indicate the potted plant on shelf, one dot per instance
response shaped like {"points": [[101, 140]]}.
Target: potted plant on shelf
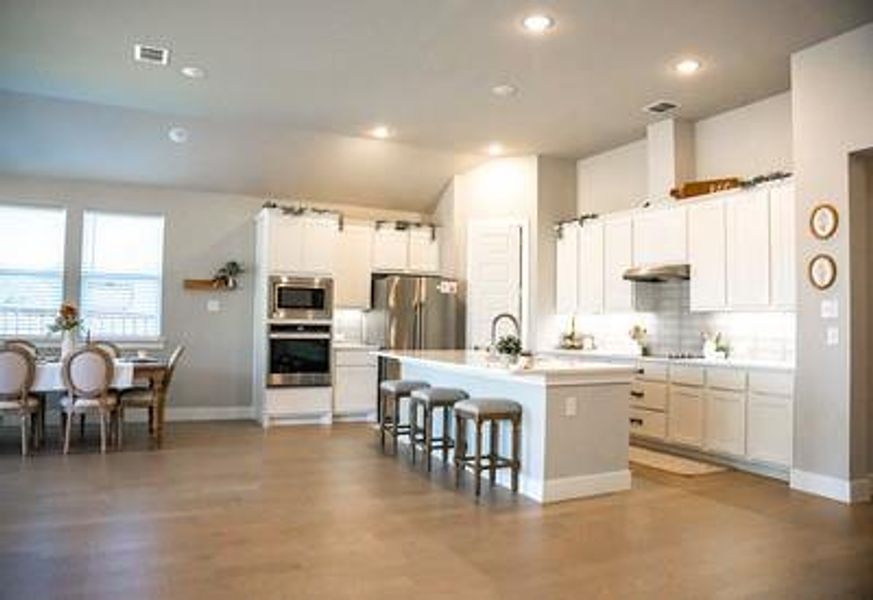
{"points": [[227, 275], [67, 322], [509, 348]]}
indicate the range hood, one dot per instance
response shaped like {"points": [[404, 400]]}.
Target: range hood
{"points": [[658, 273]]}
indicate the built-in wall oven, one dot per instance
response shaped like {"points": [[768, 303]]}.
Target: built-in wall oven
{"points": [[301, 298], [299, 354]]}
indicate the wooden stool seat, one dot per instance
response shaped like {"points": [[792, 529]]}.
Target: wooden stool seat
{"points": [[429, 399], [492, 411], [391, 392]]}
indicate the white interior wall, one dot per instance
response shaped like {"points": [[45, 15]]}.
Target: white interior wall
{"points": [[612, 181]]}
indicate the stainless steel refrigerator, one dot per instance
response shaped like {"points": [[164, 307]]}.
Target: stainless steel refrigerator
{"points": [[411, 312]]}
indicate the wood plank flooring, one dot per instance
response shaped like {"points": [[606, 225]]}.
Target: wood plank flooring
{"points": [[228, 511]]}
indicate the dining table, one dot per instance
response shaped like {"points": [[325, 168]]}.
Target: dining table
{"points": [[127, 373]]}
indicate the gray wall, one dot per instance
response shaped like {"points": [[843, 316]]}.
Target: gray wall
{"points": [[202, 231], [832, 88]]}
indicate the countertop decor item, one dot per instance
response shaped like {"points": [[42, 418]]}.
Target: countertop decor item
{"points": [[640, 335], [67, 322], [824, 220], [225, 278], [822, 271], [691, 189], [509, 347]]}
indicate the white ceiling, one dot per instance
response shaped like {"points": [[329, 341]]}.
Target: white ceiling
{"points": [[291, 82]]}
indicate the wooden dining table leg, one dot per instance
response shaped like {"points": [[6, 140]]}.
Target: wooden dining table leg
{"points": [[160, 399]]}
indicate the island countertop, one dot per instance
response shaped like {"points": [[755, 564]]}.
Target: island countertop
{"points": [[551, 371]]}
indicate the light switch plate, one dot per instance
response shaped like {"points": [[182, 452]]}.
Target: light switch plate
{"points": [[830, 308], [833, 336], [213, 306], [570, 407]]}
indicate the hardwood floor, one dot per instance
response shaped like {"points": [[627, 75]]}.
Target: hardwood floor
{"points": [[227, 511]]}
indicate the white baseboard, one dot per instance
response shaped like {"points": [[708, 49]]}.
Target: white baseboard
{"points": [[369, 417], [583, 486], [268, 421], [841, 490]]}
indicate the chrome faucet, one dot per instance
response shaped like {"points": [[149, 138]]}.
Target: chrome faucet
{"points": [[497, 320]]}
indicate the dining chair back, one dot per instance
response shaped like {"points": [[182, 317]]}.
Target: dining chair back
{"points": [[112, 349], [88, 372], [171, 364], [25, 345], [17, 369]]}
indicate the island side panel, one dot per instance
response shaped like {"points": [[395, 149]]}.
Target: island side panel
{"points": [[587, 438], [532, 397]]}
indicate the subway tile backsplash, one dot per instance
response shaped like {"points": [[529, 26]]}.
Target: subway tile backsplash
{"points": [[664, 310]]}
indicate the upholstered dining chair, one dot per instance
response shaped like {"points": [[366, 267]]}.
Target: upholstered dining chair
{"points": [[17, 369], [25, 345], [33, 351], [147, 398], [88, 373], [111, 349]]}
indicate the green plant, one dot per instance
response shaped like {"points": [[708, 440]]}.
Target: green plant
{"points": [[509, 345], [228, 272], [67, 319]]}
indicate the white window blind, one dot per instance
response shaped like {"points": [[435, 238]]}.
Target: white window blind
{"points": [[31, 268], [122, 259]]}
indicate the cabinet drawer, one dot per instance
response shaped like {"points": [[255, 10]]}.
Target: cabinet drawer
{"points": [[649, 394], [769, 382], [652, 371], [648, 423], [355, 358], [726, 379], [686, 375]]}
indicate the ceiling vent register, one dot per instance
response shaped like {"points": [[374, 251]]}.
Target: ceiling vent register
{"points": [[660, 107], [152, 55]]}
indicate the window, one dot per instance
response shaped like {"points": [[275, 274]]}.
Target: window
{"points": [[122, 258], [31, 268]]}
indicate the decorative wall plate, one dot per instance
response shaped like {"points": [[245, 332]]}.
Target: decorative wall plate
{"points": [[823, 221], [822, 271]]}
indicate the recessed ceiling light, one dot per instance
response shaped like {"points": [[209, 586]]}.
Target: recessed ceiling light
{"points": [[538, 23], [689, 66], [494, 149], [504, 90], [381, 132], [178, 135], [193, 72]]}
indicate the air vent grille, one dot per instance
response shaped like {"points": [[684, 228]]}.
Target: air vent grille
{"points": [[153, 55], [660, 107]]}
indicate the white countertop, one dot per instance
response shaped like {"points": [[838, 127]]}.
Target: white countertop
{"points": [[546, 368], [735, 363], [343, 345]]}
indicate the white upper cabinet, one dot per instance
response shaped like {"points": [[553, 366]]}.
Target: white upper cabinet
{"points": [[319, 244], [783, 275], [390, 249], [566, 272], [285, 243], [707, 255], [748, 250], [617, 258], [424, 251], [590, 265], [659, 237], [352, 273], [301, 244]]}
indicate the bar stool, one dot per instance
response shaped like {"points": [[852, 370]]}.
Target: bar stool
{"points": [[391, 392], [494, 411], [430, 399]]}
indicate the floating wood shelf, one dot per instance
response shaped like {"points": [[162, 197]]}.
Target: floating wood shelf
{"points": [[205, 285]]}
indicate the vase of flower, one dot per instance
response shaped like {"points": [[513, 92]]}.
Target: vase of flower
{"points": [[67, 323]]}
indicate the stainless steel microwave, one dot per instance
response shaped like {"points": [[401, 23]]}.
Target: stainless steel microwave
{"points": [[306, 298]]}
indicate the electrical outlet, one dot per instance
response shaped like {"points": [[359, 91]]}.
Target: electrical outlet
{"points": [[570, 407], [213, 306], [830, 308], [833, 338]]}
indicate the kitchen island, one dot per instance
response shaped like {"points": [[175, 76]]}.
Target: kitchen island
{"points": [[574, 440]]}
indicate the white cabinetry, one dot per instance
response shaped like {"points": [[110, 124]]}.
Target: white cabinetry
{"points": [[706, 255], [660, 236], [726, 422], [685, 416], [300, 244], [355, 383], [408, 250], [770, 418], [424, 251], [783, 276], [566, 272], [352, 269], [748, 250], [590, 267], [617, 258], [319, 244]]}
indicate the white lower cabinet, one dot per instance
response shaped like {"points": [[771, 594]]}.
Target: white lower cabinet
{"points": [[355, 383], [770, 429], [685, 421], [648, 423], [725, 422]]}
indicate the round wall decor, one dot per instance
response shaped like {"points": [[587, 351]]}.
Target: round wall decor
{"points": [[822, 271], [823, 221]]}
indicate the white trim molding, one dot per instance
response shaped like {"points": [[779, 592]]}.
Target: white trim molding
{"points": [[583, 486], [848, 491], [197, 413]]}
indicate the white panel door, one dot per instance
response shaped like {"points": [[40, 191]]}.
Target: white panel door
{"points": [[660, 236], [424, 251], [494, 276], [726, 422], [352, 272], [590, 276], [390, 249], [285, 244], [319, 244], [770, 429], [707, 255], [783, 266], [617, 258], [566, 271], [748, 250], [685, 416]]}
